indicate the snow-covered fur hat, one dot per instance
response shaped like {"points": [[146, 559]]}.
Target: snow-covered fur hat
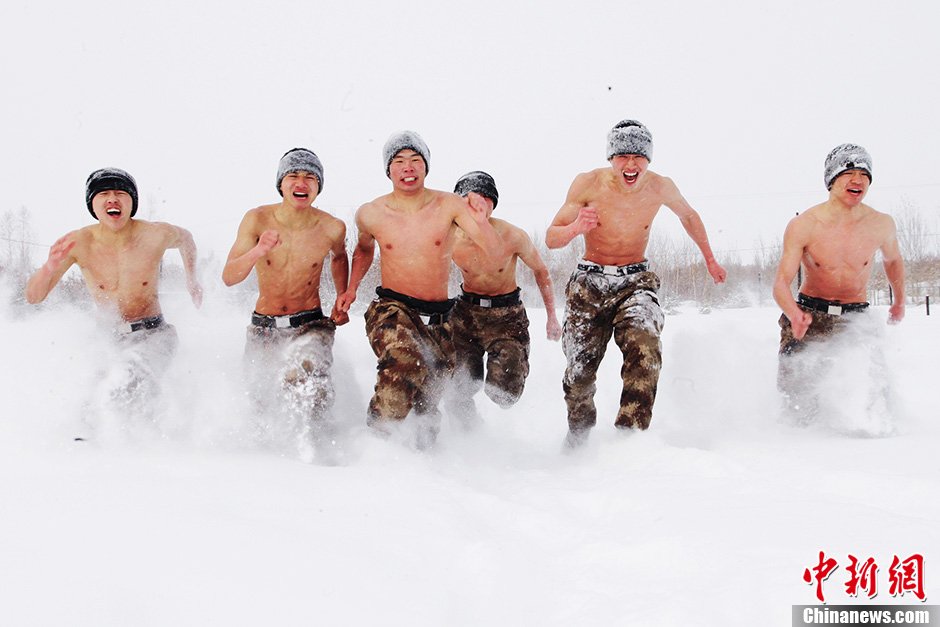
{"points": [[299, 160], [107, 179], [845, 157], [629, 137], [479, 182], [402, 141]]}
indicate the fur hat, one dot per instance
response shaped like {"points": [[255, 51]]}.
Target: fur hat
{"points": [[479, 182], [629, 137], [843, 158], [299, 160], [107, 179], [401, 141]]}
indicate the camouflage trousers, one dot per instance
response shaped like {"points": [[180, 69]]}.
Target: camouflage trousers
{"points": [[412, 341], [801, 364], [500, 335], [627, 307], [289, 375], [129, 384]]}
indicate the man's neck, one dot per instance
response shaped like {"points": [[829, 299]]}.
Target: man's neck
{"points": [[111, 237], [410, 200], [289, 214]]}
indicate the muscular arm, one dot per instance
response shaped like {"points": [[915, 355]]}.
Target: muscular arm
{"points": [[470, 215], [894, 272], [362, 258], [574, 218], [794, 241], [45, 278], [339, 268], [530, 257], [693, 225], [245, 252], [182, 239]]}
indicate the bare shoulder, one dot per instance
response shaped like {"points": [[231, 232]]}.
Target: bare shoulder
{"points": [[584, 182], [884, 223], [333, 226], [511, 234], [367, 213], [802, 224], [663, 186]]}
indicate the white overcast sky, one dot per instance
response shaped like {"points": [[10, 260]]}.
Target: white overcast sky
{"points": [[198, 100]]}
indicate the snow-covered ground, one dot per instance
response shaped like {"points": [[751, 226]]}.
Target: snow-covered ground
{"points": [[709, 518]]}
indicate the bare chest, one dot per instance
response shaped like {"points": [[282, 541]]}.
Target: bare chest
{"points": [[419, 234]]}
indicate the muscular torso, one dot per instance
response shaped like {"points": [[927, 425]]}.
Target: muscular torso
{"points": [[289, 274], [415, 244], [123, 275], [625, 218], [489, 276], [839, 255]]}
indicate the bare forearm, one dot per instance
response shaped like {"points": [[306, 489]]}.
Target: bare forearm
{"points": [[361, 262], [546, 289], [237, 269], [339, 268], [40, 284], [894, 272], [188, 253], [560, 236], [694, 226], [784, 298]]}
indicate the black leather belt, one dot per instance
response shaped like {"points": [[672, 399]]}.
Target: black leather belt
{"points": [[597, 268], [831, 307], [503, 300], [289, 321], [430, 312], [144, 323]]}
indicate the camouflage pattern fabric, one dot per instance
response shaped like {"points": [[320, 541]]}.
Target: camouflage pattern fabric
{"points": [[289, 373], [501, 336], [796, 376], [598, 306], [129, 382], [415, 361]]}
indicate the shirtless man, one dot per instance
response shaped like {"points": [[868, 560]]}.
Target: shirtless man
{"points": [[489, 319], [835, 242], [289, 345], [120, 259], [407, 323], [612, 291]]}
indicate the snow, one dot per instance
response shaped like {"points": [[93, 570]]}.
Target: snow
{"points": [[708, 518]]}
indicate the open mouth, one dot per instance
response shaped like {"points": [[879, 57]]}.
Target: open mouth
{"points": [[114, 213], [631, 177], [410, 179], [854, 191], [301, 195]]}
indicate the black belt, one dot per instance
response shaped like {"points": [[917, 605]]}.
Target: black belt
{"points": [[831, 307], [503, 300], [430, 311], [144, 323], [289, 321], [597, 268]]}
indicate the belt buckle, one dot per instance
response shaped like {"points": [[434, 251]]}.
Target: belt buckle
{"points": [[425, 318], [486, 302], [612, 270], [834, 310], [282, 322]]}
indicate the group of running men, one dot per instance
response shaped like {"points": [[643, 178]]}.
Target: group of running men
{"points": [[432, 348]]}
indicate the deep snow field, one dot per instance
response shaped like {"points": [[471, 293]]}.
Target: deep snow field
{"points": [[709, 518]]}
